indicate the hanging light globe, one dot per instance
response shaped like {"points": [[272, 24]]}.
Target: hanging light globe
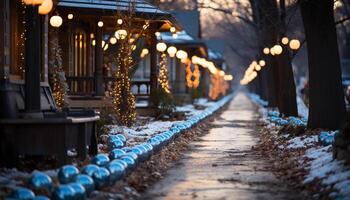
{"points": [[257, 67], [70, 16], [294, 44], [119, 21], [161, 47], [33, 2], [181, 54], [262, 63], [266, 51], [113, 40], [100, 24], [172, 51], [285, 40], [278, 49], [56, 21], [173, 29], [46, 7]]}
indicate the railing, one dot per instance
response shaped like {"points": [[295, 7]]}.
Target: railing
{"points": [[85, 86]]}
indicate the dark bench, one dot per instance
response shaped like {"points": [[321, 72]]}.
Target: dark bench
{"points": [[52, 135]]}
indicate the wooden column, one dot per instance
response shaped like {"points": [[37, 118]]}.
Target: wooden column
{"points": [[4, 38], [154, 62], [33, 62], [99, 89]]}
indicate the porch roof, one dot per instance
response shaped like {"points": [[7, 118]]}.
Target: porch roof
{"points": [[143, 9]]}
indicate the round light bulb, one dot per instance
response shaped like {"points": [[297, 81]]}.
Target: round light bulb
{"points": [[172, 51], [285, 40], [56, 21], [119, 21], [257, 67], [181, 54], [278, 49], [100, 24], [121, 34], [175, 35], [266, 51], [294, 44], [113, 40], [46, 7], [173, 29], [161, 47], [70, 16], [157, 34], [262, 63]]}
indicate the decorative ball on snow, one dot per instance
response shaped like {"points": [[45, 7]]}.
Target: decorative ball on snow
{"points": [[22, 193], [137, 151], [100, 160], [89, 169], [101, 177], [86, 181], [40, 180], [66, 174], [63, 192], [79, 190], [40, 197], [144, 150], [116, 153], [130, 161], [116, 170], [121, 137], [114, 144], [148, 146], [126, 149], [132, 154], [154, 142], [122, 162]]}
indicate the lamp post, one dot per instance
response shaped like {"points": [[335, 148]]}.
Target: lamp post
{"points": [[33, 60]]}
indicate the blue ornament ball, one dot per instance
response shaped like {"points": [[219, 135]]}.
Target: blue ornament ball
{"points": [[66, 174], [86, 181], [89, 169], [116, 153], [40, 197], [101, 177], [40, 180], [79, 190], [115, 144], [100, 160], [132, 154], [122, 162], [130, 161], [22, 193], [63, 192], [121, 137], [117, 171]]}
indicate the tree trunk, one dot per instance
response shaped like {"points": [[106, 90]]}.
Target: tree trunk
{"points": [[327, 106]]}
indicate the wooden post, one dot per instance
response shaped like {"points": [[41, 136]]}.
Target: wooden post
{"points": [[33, 62], [99, 89], [4, 39], [154, 63]]}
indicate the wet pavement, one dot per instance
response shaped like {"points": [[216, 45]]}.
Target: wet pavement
{"points": [[222, 165]]}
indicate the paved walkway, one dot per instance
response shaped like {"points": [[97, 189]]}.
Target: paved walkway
{"points": [[221, 164]]}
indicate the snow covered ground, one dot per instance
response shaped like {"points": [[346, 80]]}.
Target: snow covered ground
{"points": [[317, 157]]}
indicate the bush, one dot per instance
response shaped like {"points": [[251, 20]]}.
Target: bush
{"points": [[163, 101]]}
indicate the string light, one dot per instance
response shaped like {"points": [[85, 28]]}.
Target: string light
{"points": [[278, 49], [144, 52], [161, 47], [163, 74], [294, 44], [56, 21], [192, 77], [120, 21], [285, 40], [46, 7], [121, 34], [113, 40], [157, 34], [262, 63], [100, 24], [266, 51], [173, 29], [172, 51], [70, 16]]}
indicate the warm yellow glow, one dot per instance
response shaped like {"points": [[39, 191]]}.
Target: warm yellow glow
{"points": [[294, 44], [222, 73], [157, 34], [181, 54], [257, 67], [272, 51], [173, 29], [172, 51], [93, 43], [105, 47], [121, 34], [33, 2], [113, 40], [161, 47], [46, 7], [285, 40], [144, 52], [228, 77], [262, 63], [100, 24], [119, 21], [175, 35], [56, 21], [103, 43], [70, 16], [278, 49], [266, 51]]}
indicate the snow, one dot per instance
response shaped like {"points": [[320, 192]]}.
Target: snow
{"points": [[318, 158], [302, 142]]}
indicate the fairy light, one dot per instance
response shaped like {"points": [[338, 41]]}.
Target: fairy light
{"points": [[120, 21], [70, 16], [192, 77], [163, 74]]}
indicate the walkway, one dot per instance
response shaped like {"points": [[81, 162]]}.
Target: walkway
{"points": [[222, 165]]}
